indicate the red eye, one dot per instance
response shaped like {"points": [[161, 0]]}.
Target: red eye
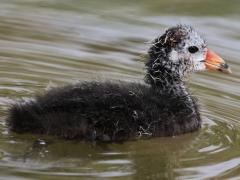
{"points": [[193, 49]]}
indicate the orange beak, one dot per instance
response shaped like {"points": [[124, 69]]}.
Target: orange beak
{"points": [[214, 62]]}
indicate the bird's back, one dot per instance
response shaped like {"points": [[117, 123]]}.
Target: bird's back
{"points": [[107, 112]]}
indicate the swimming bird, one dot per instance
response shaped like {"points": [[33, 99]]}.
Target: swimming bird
{"points": [[117, 111]]}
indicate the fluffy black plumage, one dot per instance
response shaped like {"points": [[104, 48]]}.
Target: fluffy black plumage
{"points": [[108, 111]]}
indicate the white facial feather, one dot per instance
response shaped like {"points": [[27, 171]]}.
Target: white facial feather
{"points": [[182, 53], [198, 63], [174, 56]]}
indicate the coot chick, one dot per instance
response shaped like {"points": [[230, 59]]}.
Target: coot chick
{"points": [[107, 111]]}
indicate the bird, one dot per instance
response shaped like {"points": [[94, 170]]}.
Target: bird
{"points": [[108, 111]]}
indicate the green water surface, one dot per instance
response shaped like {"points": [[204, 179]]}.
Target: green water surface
{"points": [[48, 43]]}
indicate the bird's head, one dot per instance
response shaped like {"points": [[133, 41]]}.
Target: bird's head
{"points": [[179, 52]]}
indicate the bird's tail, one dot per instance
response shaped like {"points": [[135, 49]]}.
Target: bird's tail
{"points": [[22, 117]]}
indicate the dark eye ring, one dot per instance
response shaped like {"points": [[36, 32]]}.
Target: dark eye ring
{"points": [[193, 49]]}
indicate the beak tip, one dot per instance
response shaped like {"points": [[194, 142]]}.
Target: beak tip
{"points": [[229, 71], [226, 70]]}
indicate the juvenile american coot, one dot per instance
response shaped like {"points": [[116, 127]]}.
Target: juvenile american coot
{"points": [[106, 111]]}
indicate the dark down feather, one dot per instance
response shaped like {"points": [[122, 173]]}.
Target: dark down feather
{"points": [[106, 112]]}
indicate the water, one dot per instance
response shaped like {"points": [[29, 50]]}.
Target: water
{"points": [[52, 43]]}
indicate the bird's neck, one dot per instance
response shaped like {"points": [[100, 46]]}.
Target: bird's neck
{"points": [[164, 80], [161, 74], [174, 88]]}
